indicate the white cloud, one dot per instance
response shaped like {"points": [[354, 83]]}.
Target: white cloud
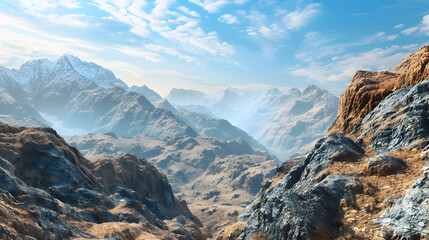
{"points": [[277, 26], [344, 67], [73, 20], [120, 12], [137, 52], [228, 18], [213, 6], [410, 30], [299, 18], [189, 12], [422, 28], [169, 24], [399, 26], [170, 51], [425, 25], [34, 6], [379, 37]]}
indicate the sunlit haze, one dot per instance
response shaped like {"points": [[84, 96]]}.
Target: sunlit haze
{"points": [[208, 45]]}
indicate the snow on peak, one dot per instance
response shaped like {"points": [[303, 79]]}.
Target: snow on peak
{"points": [[101, 76]]}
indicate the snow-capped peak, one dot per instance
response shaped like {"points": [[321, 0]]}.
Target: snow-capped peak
{"points": [[101, 76]]}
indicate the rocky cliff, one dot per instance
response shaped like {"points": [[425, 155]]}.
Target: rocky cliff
{"points": [[368, 182], [49, 191], [367, 89]]}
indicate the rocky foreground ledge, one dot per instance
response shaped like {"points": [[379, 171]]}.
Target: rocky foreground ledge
{"points": [[49, 191], [368, 179]]}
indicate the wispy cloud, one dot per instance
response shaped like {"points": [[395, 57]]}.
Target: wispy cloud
{"points": [[213, 6], [410, 30], [34, 6], [422, 28], [167, 23], [300, 17], [228, 18], [170, 51], [343, 67], [73, 20], [398, 26], [187, 11], [276, 26]]}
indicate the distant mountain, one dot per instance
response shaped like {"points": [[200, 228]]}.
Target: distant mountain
{"points": [[210, 126], [185, 97], [13, 112], [124, 113], [85, 96], [284, 122], [11, 86], [150, 94]]}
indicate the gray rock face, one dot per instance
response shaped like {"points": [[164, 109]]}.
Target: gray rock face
{"points": [[306, 202], [409, 216], [301, 206], [407, 117]]}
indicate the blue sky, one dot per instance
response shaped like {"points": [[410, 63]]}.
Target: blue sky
{"points": [[210, 44]]}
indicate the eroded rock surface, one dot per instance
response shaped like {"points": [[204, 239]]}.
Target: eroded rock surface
{"points": [[49, 191], [370, 184], [368, 89]]}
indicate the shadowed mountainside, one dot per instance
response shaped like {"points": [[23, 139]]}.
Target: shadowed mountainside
{"points": [[49, 191]]}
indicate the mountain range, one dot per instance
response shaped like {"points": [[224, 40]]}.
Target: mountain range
{"points": [[284, 122], [71, 96]]}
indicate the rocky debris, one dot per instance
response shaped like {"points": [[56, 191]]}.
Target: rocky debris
{"points": [[384, 165], [368, 89], [274, 214], [408, 218], [372, 184], [49, 191]]}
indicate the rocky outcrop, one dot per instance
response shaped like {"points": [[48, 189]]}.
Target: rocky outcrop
{"points": [[217, 178], [371, 184], [49, 191], [413, 69], [368, 89]]}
